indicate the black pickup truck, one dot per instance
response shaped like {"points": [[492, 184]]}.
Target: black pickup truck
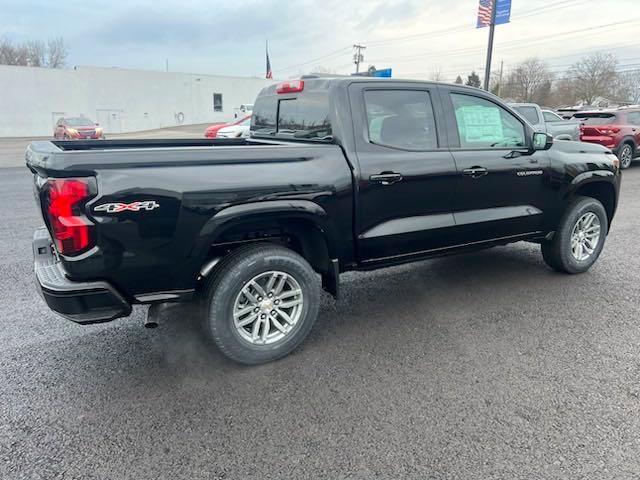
{"points": [[339, 174]]}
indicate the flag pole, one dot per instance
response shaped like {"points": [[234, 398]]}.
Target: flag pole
{"points": [[492, 26]]}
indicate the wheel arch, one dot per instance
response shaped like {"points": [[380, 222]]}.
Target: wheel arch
{"points": [[301, 225], [601, 190], [629, 140]]}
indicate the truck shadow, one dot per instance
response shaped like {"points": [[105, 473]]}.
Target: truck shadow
{"points": [[177, 354]]}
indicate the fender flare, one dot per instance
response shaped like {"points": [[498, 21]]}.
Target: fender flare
{"points": [[235, 215], [592, 176]]}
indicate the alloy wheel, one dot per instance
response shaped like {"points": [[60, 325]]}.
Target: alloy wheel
{"points": [[585, 236], [268, 307]]}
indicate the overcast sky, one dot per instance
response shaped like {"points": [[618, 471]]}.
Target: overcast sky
{"points": [[414, 37]]}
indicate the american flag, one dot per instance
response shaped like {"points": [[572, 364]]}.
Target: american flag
{"points": [[269, 72], [484, 13]]}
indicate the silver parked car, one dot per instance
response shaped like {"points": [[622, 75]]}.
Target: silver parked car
{"points": [[548, 121]]}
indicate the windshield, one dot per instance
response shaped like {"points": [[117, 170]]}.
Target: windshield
{"points": [[78, 122], [599, 118]]}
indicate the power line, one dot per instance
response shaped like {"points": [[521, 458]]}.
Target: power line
{"points": [[331, 54], [516, 44], [451, 30]]}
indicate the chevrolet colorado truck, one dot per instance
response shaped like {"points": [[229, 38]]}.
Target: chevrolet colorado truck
{"points": [[339, 174]]}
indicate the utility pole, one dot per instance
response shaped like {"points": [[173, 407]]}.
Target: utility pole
{"points": [[500, 80], [492, 26], [358, 56], [167, 64]]}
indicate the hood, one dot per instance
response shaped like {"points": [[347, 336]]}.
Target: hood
{"points": [[566, 146]]}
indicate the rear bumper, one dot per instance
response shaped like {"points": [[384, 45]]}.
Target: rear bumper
{"points": [[81, 302]]}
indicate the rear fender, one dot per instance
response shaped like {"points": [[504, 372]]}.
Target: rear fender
{"points": [[272, 212]]}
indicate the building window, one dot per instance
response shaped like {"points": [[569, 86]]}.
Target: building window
{"points": [[217, 102]]}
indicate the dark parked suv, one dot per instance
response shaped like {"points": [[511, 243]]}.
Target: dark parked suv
{"points": [[618, 130]]}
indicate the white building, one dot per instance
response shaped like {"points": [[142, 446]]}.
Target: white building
{"points": [[120, 100]]}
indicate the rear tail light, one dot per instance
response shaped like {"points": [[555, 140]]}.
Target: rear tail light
{"points": [[291, 86], [608, 130], [63, 202]]}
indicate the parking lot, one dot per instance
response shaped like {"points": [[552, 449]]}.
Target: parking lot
{"points": [[488, 365]]}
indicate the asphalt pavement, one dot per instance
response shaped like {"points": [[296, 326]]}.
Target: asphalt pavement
{"points": [[484, 366]]}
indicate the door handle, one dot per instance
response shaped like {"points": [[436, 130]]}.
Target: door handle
{"points": [[386, 178], [475, 172]]}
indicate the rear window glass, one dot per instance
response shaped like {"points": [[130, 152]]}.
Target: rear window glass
{"points": [[529, 113], [306, 116], [596, 118], [264, 114]]}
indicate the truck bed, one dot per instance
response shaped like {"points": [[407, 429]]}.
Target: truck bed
{"points": [[51, 158]]}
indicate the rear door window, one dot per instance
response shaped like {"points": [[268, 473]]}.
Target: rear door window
{"points": [[401, 119]]}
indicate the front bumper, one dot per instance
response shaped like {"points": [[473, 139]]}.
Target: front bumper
{"points": [[81, 302]]}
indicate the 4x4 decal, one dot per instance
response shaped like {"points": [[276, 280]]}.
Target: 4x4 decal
{"points": [[127, 207]]}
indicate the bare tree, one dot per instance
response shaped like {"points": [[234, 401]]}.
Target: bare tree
{"points": [[627, 88], [33, 53], [529, 81], [36, 53], [594, 76], [11, 54], [56, 53], [564, 93], [436, 75]]}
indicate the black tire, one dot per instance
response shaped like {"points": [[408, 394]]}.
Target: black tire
{"points": [[232, 274], [625, 155], [557, 252]]}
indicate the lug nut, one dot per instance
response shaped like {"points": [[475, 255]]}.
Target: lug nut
{"points": [[277, 302], [256, 310], [259, 299], [263, 316], [273, 312], [270, 294]]}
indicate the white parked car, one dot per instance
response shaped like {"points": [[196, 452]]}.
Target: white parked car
{"points": [[240, 130]]}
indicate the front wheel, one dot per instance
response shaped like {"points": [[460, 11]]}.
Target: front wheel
{"points": [[579, 240], [262, 303], [625, 155]]}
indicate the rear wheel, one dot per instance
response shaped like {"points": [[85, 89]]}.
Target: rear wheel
{"points": [[625, 155], [580, 237], [262, 303]]}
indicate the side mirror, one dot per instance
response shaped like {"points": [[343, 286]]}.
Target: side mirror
{"points": [[541, 141]]}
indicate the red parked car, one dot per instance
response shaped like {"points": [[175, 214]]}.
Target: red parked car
{"points": [[76, 128], [618, 130], [212, 131]]}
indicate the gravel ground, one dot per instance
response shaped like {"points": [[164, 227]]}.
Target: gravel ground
{"points": [[485, 366]]}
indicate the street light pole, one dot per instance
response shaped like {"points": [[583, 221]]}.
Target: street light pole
{"points": [[492, 26]]}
